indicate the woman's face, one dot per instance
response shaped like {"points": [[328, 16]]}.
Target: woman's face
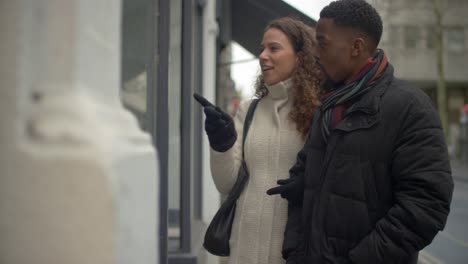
{"points": [[277, 57]]}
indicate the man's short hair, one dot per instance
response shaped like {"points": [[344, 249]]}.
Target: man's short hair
{"points": [[356, 14]]}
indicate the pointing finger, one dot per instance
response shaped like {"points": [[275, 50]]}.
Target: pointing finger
{"points": [[202, 100]]}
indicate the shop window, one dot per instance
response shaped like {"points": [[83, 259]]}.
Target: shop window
{"points": [[137, 36]]}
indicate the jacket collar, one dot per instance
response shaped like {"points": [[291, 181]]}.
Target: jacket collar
{"points": [[366, 113], [370, 102]]}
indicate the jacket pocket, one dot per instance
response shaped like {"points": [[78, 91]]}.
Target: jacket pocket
{"points": [[383, 183], [345, 177], [372, 196], [339, 247], [346, 219], [378, 189]]}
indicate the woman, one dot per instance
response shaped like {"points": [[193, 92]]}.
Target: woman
{"points": [[288, 87]]}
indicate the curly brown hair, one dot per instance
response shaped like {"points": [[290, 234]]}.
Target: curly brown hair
{"points": [[306, 78]]}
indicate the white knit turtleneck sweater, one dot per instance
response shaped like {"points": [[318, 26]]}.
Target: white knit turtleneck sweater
{"points": [[270, 151]]}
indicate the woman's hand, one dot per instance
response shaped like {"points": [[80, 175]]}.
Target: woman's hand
{"points": [[219, 125]]}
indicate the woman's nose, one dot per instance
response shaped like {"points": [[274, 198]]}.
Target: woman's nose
{"points": [[263, 55]]}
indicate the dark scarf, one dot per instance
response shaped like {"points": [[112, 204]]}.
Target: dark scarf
{"points": [[334, 102]]}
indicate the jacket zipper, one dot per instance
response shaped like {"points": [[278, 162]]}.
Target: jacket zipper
{"points": [[327, 159]]}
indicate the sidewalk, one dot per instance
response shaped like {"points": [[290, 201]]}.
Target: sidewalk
{"points": [[459, 170]]}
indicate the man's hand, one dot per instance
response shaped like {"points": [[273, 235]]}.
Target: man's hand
{"points": [[291, 189], [219, 125]]}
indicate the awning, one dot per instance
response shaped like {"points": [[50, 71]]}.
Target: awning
{"points": [[250, 17]]}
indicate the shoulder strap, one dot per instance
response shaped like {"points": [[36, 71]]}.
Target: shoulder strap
{"points": [[248, 121]]}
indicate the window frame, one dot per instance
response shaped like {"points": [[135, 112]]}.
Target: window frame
{"points": [[415, 38], [190, 148], [157, 66], [449, 30]]}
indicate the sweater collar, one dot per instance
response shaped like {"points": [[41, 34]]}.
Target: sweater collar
{"points": [[279, 90]]}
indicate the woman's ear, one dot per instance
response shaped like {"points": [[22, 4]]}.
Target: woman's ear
{"points": [[298, 59]]}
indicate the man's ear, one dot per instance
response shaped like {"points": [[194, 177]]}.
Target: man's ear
{"points": [[358, 46]]}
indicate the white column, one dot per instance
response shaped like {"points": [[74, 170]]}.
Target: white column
{"points": [[78, 178], [211, 196]]}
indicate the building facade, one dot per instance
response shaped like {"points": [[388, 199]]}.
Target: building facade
{"points": [[409, 38], [104, 158]]}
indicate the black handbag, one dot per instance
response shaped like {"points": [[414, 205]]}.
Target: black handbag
{"points": [[219, 230]]}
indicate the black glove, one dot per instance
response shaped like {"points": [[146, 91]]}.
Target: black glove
{"points": [[219, 125], [291, 189]]}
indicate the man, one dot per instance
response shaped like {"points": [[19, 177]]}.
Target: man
{"points": [[373, 182]]}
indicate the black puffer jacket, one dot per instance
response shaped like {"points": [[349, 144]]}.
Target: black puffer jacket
{"points": [[380, 190]]}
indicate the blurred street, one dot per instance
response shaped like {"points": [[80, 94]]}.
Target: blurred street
{"points": [[451, 245]]}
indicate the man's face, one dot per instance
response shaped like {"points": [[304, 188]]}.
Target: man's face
{"points": [[334, 50]]}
